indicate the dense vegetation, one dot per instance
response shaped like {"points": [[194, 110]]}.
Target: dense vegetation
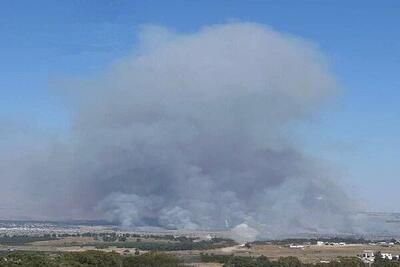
{"points": [[158, 259], [262, 261], [162, 243], [87, 259], [173, 246], [126, 240]]}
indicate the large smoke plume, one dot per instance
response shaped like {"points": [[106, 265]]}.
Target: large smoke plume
{"points": [[192, 132]]}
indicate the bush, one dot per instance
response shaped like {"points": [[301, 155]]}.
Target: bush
{"points": [[87, 259], [152, 259]]}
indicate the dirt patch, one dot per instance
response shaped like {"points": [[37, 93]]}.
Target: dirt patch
{"points": [[312, 254]]}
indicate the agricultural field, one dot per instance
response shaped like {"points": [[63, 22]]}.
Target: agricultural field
{"points": [[196, 249], [189, 250]]}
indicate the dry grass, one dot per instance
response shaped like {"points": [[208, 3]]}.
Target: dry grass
{"points": [[312, 254], [309, 254]]}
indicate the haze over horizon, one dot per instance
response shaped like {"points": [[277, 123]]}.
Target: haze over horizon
{"points": [[114, 110]]}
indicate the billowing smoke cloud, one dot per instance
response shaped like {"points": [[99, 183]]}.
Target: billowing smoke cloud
{"points": [[190, 132]]}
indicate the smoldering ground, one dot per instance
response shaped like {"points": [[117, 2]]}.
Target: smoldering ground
{"points": [[189, 132]]}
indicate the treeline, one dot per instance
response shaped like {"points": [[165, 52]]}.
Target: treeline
{"points": [[180, 245], [87, 259], [122, 237], [313, 241], [126, 240], [262, 261], [159, 259]]}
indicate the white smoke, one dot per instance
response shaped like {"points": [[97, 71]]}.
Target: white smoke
{"points": [[189, 132], [242, 233]]}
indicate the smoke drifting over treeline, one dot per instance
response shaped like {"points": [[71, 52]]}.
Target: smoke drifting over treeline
{"points": [[189, 132]]}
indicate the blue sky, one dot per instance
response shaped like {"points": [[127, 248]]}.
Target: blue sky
{"points": [[44, 41]]}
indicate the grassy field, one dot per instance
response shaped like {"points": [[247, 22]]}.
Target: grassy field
{"points": [[308, 254]]}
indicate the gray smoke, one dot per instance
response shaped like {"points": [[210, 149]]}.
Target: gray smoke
{"points": [[192, 132]]}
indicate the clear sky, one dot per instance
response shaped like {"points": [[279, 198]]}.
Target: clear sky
{"points": [[43, 41]]}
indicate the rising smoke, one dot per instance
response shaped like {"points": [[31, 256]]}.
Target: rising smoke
{"points": [[190, 132]]}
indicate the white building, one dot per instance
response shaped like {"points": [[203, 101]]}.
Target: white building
{"points": [[368, 256], [296, 246], [387, 256]]}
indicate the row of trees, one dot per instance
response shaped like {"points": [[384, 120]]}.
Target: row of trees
{"points": [[88, 259], [157, 259], [181, 245], [262, 261]]}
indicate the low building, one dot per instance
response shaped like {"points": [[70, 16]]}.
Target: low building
{"points": [[296, 246], [387, 256], [368, 256]]}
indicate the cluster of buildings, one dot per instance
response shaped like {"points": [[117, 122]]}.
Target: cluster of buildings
{"points": [[369, 256], [321, 243], [385, 243], [38, 228]]}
